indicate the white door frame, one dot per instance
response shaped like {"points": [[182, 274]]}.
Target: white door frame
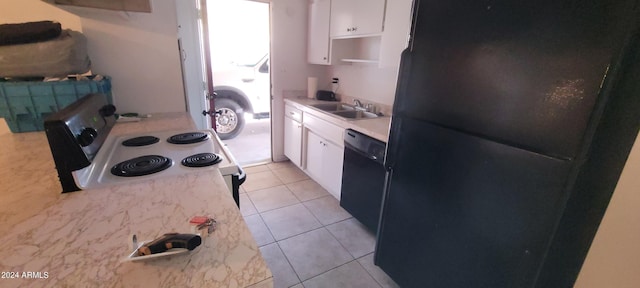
{"points": [[192, 61], [193, 69]]}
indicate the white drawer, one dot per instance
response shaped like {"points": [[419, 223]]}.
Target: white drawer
{"points": [[293, 113], [325, 129]]}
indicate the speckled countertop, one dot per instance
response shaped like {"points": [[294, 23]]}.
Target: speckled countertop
{"points": [[80, 239], [377, 128]]}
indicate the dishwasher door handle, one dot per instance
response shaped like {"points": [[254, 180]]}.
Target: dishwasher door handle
{"points": [[369, 156]]}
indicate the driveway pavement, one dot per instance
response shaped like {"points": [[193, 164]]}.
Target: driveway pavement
{"points": [[253, 145]]}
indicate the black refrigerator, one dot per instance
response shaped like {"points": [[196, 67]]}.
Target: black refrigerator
{"points": [[511, 124]]}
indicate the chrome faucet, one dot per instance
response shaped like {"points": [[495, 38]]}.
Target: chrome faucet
{"points": [[357, 103], [371, 108]]}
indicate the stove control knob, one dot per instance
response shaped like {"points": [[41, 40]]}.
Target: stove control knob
{"points": [[107, 110], [87, 136]]}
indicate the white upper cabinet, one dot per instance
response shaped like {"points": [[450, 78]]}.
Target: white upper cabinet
{"points": [[318, 34], [353, 18], [358, 31], [397, 25]]}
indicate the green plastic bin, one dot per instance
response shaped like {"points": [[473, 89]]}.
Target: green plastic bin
{"points": [[25, 105]]}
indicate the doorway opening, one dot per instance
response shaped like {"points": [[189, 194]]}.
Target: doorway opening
{"points": [[239, 41]]}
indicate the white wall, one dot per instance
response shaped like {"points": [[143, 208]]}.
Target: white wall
{"points": [[366, 81], [138, 50], [614, 256], [289, 62]]}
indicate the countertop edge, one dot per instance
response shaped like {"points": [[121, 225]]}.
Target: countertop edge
{"points": [[377, 128], [80, 238]]}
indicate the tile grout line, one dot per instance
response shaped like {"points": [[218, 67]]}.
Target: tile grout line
{"points": [[263, 222], [290, 265], [268, 229], [287, 183], [291, 235], [266, 225], [334, 268], [299, 202], [270, 171], [302, 201], [314, 216], [334, 237], [289, 261], [285, 186], [342, 245], [365, 269], [293, 166], [305, 206], [253, 204], [285, 255], [331, 234], [281, 184], [277, 242]]}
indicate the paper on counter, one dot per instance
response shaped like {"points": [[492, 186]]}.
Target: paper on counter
{"points": [[312, 87]]}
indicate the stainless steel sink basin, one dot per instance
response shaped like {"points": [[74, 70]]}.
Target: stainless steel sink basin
{"points": [[333, 107], [355, 114]]}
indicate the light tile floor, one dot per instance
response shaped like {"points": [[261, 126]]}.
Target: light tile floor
{"points": [[307, 239]]}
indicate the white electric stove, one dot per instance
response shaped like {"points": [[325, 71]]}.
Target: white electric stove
{"points": [[88, 156], [145, 156]]}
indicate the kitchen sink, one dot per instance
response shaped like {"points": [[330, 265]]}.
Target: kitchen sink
{"points": [[355, 114], [329, 107]]}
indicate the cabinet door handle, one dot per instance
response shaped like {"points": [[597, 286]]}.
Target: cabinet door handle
{"points": [[292, 113]]}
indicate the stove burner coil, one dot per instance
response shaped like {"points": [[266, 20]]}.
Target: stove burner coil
{"points": [[188, 138], [140, 141], [201, 160], [143, 165]]}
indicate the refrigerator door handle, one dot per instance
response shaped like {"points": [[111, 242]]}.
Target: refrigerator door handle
{"points": [[385, 193], [392, 150]]}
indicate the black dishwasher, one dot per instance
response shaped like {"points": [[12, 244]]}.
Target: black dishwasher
{"points": [[363, 177]]}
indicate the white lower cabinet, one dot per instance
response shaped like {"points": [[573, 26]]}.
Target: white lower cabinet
{"points": [[293, 141], [334, 158], [324, 163], [293, 134], [314, 155]]}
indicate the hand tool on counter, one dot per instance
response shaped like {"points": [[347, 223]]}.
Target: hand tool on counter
{"points": [[169, 241]]}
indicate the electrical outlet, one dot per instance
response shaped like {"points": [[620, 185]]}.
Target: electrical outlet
{"points": [[335, 80]]}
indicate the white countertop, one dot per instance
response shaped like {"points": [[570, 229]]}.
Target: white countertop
{"points": [[377, 128], [80, 239]]}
